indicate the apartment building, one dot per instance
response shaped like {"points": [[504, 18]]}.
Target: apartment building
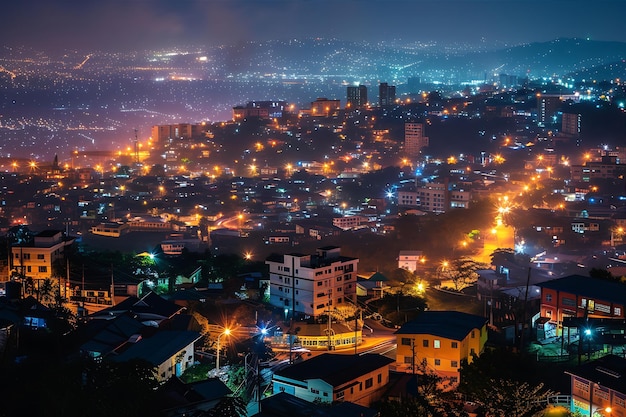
{"points": [[312, 284]]}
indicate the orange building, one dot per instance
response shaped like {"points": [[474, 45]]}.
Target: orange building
{"points": [[441, 340], [580, 296]]}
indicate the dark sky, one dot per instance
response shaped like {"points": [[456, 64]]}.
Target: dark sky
{"points": [[135, 24]]}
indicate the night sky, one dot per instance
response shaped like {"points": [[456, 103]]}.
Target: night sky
{"points": [[121, 25]]}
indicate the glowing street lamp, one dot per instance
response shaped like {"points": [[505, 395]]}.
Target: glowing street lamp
{"points": [[217, 360]]}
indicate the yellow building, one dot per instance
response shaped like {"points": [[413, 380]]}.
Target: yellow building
{"points": [[441, 340], [37, 259]]}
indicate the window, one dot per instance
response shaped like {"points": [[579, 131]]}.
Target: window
{"points": [[27, 256], [455, 345], [369, 382], [549, 298], [325, 394], [472, 352], [319, 283], [473, 334], [454, 364], [315, 391], [40, 256], [617, 311], [406, 341], [437, 344], [380, 378], [408, 360], [437, 362], [43, 269], [425, 343]]}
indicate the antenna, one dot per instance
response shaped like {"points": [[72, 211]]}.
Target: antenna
{"points": [[136, 148]]}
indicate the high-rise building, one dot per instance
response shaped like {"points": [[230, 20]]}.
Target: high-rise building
{"points": [[547, 107], [414, 139], [570, 124], [357, 96], [312, 284], [386, 94]]}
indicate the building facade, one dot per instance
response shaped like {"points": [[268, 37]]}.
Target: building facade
{"points": [[580, 296], [37, 260], [440, 341], [386, 94], [312, 284], [356, 96], [329, 378], [414, 139]]}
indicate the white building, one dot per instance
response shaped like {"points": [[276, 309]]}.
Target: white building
{"points": [[410, 259], [311, 284]]}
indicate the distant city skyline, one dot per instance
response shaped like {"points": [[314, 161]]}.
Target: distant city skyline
{"points": [[120, 25]]}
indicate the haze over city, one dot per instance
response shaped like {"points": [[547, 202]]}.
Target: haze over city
{"points": [[293, 208]]}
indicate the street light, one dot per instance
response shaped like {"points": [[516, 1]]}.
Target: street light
{"points": [[217, 360]]}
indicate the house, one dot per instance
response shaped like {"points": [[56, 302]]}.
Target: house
{"points": [[287, 405], [180, 399], [171, 352], [328, 378], [581, 296], [149, 308], [599, 387], [410, 259], [440, 340]]}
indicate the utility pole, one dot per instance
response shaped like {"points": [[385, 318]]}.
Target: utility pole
{"points": [[413, 356]]}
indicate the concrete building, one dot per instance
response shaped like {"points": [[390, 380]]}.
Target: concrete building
{"points": [[356, 97], [38, 259], [608, 167], [325, 107], [440, 340], [410, 259], [435, 197], [311, 284], [260, 109], [331, 378], [386, 94], [598, 388], [414, 139], [580, 296]]}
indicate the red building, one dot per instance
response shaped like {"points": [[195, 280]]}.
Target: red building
{"points": [[581, 296]]}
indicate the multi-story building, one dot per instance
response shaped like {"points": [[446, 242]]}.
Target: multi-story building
{"points": [[312, 284], [356, 96], [598, 389], [184, 131], [607, 168], [325, 107], [580, 296], [330, 378], [570, 124], [410, 259], [547, 107], [260, 109], [386, 94], [434, 197], [440, 341], [38, 259], [414, 139]]}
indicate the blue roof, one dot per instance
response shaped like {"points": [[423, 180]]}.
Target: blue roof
{"points": [[158, 348], [594, 288], [454, 325]]}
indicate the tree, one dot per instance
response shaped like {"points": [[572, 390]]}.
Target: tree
{"points": [[462, 272], [513, 398]]}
